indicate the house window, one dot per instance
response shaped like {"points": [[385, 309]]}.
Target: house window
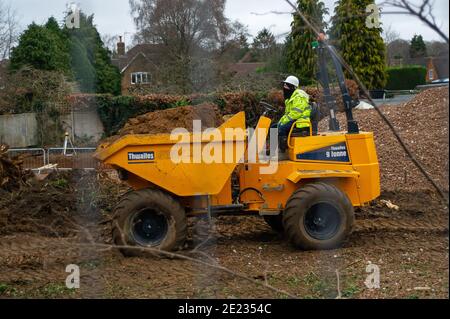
{"points": [[140, 78]]}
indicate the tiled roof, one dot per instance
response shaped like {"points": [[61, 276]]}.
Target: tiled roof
{"points": [[441, 65], [153, 51]]}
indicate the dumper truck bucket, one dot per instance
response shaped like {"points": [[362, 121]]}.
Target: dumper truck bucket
{"points": [[185, 164]]}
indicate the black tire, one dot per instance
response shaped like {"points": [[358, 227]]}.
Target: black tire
{"points": [[318, 216], [275, 222], [149, 218]]}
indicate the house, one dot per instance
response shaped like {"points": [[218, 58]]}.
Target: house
{"points": [[398, 54], [437, 67], [432, 73], [139, 65], [143, 65]]}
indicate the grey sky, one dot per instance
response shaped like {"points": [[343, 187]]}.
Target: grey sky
{"points": [[113, 16]]}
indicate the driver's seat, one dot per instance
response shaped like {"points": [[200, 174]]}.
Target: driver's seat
{"points": [[315, 119]]}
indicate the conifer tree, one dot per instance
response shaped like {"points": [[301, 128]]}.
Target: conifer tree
{"points": [[360, 43], [302, 60]]}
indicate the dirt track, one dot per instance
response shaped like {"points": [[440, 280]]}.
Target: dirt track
{"points": [[409, 245]]}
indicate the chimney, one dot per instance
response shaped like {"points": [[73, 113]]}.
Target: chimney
{"points": [[120, 47]]}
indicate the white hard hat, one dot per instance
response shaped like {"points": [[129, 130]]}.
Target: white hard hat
{"points": [[293, 80]]}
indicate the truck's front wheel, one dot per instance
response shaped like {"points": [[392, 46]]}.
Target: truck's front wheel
{"points": [[149, 219], [318, 216]]}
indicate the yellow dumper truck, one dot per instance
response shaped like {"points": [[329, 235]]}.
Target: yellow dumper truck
{"points": [[310, 196]]}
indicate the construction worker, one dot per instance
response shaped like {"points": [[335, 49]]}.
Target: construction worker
{"points": [[298, 111]]}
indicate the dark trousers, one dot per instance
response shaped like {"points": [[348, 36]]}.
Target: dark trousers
{"points": [[285, 129], [283, 133]]}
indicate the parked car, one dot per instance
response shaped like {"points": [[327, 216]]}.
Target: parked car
{"points": [[440, 81]]}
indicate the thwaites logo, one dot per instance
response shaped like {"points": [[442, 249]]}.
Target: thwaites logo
{"points": [[141, 156], [334, 153]]}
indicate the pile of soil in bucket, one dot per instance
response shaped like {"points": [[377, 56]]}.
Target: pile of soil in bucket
{"points": [[165, 121]]}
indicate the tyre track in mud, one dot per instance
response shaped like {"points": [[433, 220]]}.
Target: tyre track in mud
{"points": [[22, 255], [65, 248], [414, 226], [424, 243], [37, 262], [14, 248], [19, 255], [434, 224]]}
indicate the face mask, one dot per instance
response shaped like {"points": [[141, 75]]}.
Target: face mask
{"points": [[288, 93]]}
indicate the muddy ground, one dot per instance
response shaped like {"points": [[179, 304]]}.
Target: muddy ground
{"points": [[65, 220]]}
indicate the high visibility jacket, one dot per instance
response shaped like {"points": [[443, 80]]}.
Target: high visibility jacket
{"points": [[298, 109]]}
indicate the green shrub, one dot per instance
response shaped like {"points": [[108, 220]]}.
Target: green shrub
{"points": [[406, 77]]}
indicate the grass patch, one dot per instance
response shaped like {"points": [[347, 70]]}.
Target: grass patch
{"points": [[321, 287], [57, 290], [350, 287], [91, 264], [350, 291], [7, 290], [3, 288], [60, 183], [293, 282]]}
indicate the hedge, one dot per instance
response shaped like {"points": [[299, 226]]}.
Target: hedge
{"points": [[115, 111], [406, 77]]}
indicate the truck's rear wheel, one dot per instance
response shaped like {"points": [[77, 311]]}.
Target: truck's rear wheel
{"points": [[318, 216], [149, 219]]}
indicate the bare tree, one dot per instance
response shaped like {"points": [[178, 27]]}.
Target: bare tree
{"points": [[234, 33], [110, 42], [9, 29], [182, 25], [233, 44], [398, 52], [436, 48], [192, 34], [390, 35], [422, 9]]}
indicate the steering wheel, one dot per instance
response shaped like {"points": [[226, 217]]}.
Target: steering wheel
{"points": [[268, 108]]}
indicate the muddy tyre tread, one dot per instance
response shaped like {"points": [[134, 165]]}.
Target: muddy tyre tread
{"points": [[297, 207], [172, 208]]}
